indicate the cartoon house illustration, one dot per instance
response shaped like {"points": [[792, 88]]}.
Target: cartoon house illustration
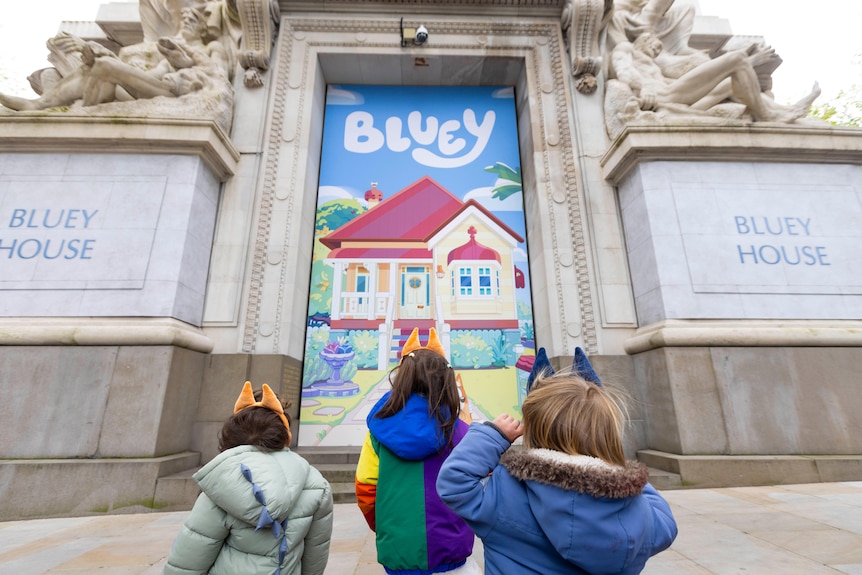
{"points": [[423, 258]]}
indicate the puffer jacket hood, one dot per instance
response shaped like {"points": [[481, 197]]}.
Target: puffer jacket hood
{"points": [[272, 488], [412, 433]]}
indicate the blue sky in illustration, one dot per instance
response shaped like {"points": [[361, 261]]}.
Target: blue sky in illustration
{"points": [[474, 121]]}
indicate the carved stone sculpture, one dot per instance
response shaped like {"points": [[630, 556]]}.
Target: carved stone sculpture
{"points": [[183, 68], [672, 24], [651, 84]]}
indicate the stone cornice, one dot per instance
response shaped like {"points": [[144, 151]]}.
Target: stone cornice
{"points": [[737, 143], [746, 333], [52, 133], [398, 8], [102, 331]]}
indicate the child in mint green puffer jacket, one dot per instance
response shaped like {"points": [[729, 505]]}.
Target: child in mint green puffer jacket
{"points": [[263, 509]]}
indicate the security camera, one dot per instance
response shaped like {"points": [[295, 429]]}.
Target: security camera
{"points": [[421, 35]]}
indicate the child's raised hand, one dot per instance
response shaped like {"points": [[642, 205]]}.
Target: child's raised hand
{"points": [[509, 426]]}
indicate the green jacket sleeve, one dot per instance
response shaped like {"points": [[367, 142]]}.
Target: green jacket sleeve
{"points": [[317, 540], [199, 541]]}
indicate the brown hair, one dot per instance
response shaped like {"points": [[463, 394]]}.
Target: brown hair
{"points": [[566, 413], [257, 426], [426, 373]]}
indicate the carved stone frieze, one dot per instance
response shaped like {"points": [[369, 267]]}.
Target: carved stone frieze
{"points": [[259, 22], [582, 22], [264, 220]]}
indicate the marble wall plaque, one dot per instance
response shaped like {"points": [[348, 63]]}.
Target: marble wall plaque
{"points": [[787, 239], [744, 240], [93, 233], [105, 235]]}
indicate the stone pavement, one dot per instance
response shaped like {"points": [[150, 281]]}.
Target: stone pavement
{"points": [[811, 529]]}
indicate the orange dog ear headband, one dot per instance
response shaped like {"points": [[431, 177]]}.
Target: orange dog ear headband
{"points": [[269, 401], [412, 343]]}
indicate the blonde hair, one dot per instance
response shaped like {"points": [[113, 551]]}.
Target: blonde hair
{"points": [[566, 413]]}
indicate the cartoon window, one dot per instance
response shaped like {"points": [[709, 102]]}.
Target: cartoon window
{"points": [[484, 281], [478, 282], [465, 281]]}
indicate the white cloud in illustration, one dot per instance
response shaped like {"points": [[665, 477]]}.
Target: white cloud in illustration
{"points": [[336, 96], [507, 93], [519, 255], [330, 193], [513, 203]]}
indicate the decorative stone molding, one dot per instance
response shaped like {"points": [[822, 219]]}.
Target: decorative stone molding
{"points": [[582, 22], [259, 20], [772, 143], [102, 331], [270, 173], [47, 132], [746, 333], [575, 236], [447, 7]]}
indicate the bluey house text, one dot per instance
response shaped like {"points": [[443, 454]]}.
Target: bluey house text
{"points": [[41, 247], [781, 241]]}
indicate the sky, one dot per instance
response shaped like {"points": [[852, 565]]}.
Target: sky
{"points": [[817, 41]]}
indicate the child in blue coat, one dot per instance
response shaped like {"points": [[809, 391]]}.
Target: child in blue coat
{"points": [[568, 502]]}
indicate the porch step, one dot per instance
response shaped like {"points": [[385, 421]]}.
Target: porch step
{"points": [[400, 335]]}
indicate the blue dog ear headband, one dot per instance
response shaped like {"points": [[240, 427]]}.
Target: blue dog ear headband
{"points": [[581, 365]]}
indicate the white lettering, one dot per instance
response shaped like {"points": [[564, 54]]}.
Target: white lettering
{"points": [[394, 140], [449, 144], [423, 137], [361, 137], [481, 131]]}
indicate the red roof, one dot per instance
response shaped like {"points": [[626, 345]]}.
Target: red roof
{"points": [[413, 214], [381, 253]]}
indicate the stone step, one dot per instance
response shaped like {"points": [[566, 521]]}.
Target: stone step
{"points": [[337, 472], [330, 455], [338, 466], [711, 471], [343, 492], [176, 492], [179, 491], [664, 480]]}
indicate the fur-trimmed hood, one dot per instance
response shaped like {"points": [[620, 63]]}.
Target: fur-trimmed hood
{"points": [[581, 473]]}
